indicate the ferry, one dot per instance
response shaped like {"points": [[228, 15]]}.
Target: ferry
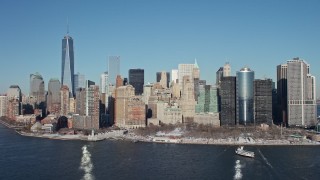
{"points": [[240, 151]]}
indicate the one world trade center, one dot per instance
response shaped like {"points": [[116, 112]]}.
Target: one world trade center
{"points": [[67, 68]]}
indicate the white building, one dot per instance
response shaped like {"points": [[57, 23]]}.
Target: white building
{"points": [[185, 70], [302, 107], [174, 75], [3, 105]]}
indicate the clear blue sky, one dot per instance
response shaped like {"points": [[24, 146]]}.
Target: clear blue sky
{"points": [[156, 35]]}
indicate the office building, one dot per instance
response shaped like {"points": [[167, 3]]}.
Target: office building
{"points": [[302, 107], [163, 78], [53, 97], [187, 103], [67, 68], [136, 79], [174, 75], [79, 81], [37, 88], [228, 101], [245, 114], [113, 68], [207, 100], [263, 101], [282, 95], [185, 70]]}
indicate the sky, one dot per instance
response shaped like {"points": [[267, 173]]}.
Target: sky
{"points": [[156, 35]]}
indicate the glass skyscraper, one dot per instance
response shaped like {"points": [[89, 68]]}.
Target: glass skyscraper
{"points": [[113, 68], [245, 78], [67, 68]]}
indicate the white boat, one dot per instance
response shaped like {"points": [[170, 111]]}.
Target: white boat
{"points": [[240, 151]]}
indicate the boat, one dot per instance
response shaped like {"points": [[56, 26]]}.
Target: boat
{"points": [[240, 151]]}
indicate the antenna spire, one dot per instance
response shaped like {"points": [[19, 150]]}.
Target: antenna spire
{"points": [[68, 26]]}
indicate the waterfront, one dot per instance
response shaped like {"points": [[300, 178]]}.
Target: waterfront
{"points": [[37, 158]]}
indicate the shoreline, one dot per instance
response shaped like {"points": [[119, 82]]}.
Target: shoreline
{"points": [[151, 139]]}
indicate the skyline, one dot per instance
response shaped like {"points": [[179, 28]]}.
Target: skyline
{"points": [[260, 35]]}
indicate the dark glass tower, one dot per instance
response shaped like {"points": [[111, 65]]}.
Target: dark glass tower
{"points": [[136, 79], [67, 68]]}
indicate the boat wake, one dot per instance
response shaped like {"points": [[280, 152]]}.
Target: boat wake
{"points": [[237, 168], [265, 159], [86, 164]]}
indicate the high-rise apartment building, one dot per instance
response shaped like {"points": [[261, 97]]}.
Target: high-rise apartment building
{"points": [[228, 101], [64, 99], [37, 91], [113, 68], [263, 101], [245, 78], [302, 107], [67, 67], [136, 79], [53, 97], [123, 94], [93, 105], [14, 97]]}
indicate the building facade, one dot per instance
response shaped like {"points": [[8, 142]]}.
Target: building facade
{"points": [[136, 79], [263, 101], [79, 81], [228, 101], [113, 68], [163, 78], [123, 94], [302, 107], [3, 105], [37, 91], [245, 114], [53, 97], [67, 67], [64, 99]]}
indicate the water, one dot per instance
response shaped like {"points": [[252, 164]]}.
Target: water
{"points": [[35, 158]]}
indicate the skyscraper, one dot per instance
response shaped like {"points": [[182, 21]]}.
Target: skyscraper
{"points": [[113, 68], [104, 88], [245, 78], [37, 88], [263, 101], [53, 98], [174, 75], [136, 79], [79, 81], [67, 67], [165, 77], [228, 101], [302, 107], [185, 70], [226, 70], [64, 99], [282, 95]]}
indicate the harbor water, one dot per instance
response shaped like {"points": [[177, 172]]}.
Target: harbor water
{"points": [[36, 158]]}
